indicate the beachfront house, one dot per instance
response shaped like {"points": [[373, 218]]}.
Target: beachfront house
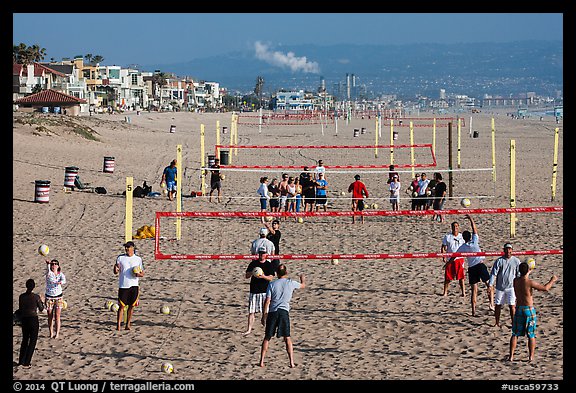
{"points": [[28, 78], [292, 101]]}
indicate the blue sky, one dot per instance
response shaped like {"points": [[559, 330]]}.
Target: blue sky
{"points": [[164, 38]]}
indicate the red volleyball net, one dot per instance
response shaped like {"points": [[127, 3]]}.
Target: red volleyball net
{"points": [[302, 118], [206, 232], [299, 156]]}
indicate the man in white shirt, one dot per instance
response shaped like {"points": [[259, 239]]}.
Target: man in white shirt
{"points": [[504, 271], [422, 189], [128, 288], [453, 270], [477, 270], [319, 169]]}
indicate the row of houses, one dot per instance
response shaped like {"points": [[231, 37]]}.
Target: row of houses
{"points": [[98, 87]]}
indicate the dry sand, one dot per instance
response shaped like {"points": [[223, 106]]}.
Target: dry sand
{"points": [[362, 319]]}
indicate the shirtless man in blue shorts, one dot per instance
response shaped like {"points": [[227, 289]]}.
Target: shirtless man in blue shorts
{"points": [[524, 323]]}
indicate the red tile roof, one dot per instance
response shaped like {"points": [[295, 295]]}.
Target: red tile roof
{"points": [[50, 97]]}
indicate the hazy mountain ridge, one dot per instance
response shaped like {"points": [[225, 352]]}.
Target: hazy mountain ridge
{"points": [[493, 68]]}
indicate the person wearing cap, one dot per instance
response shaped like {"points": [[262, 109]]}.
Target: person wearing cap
{"points": [[504, 271], [128, 285], [258, 285], [394, 188], [169, 177], [359, 192], [321, 186], [262, 241], [477, 270]]}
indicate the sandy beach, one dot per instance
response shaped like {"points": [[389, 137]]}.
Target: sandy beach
{"points": [[373, 319]]}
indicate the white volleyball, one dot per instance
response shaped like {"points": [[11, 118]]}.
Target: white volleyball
{"points": [[374, 206], [115, 307], [531, 263], [335, 261], [167, 367], [109, 304], [165, 310], [300, 220], [43, 250], [465, 202], [257, 271]]}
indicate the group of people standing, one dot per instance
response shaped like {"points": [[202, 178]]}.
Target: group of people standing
{"points": [[295, 194], [507, 283]]}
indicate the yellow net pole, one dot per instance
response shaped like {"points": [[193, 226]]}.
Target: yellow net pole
{"points": [[128, 216], [512, 187], [376, 140], [434, 136], [391, 141], [493, 152], [236, 135], [218, 138], [412, 147], [202, 161], [179, 190], [555, 163], [459, 131]]}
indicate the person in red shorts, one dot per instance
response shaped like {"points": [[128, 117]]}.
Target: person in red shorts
{"points": [[453, 270]]}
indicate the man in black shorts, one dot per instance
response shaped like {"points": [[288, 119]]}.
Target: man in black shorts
{"points": [[308, 191], [215, 180], [129, 268], [276, 317], [321, 187]]}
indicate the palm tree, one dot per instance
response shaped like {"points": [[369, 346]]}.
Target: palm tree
{"points": [[97, 59], [258, 89], [158, 82], [88, 57], [23, 54]]}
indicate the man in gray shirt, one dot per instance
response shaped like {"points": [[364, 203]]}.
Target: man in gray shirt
{"points": [[504, 271], [276, 307]]}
